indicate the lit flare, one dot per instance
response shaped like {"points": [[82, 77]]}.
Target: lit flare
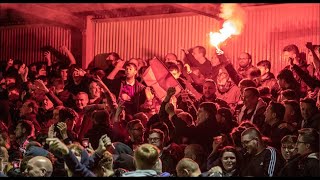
{"points": [[228, 29]]}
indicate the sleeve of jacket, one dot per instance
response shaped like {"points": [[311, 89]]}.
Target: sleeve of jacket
{"points": [[305, 76], [162, 112], [93, 161], [272, 163], [191, 60], [180, 126], [235, 77], [55, 100], [312, 168], [76, 167]]}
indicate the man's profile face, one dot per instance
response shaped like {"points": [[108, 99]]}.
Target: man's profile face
{"points": [[249, 144]]}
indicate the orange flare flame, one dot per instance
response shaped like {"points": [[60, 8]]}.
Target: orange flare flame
{"points": [[228, 29]]}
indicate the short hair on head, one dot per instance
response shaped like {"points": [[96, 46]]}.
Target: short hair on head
{"points": [[164, 128], [290, 48], [175, 56], [172, 66], [161, 133], [289, 139], [253, 90], [255, 72], [114, 54], [101, 117], [247, 124], [278, 108], [28, 125], [247, 83], [83, 93], [225, 112], [133, 122], [210, 108], [294, 104], [201, 50], [187, 163], [210, 81], [310, 136], [309, 101], [57, 81], [142, 116], [264, 91], [286, 74], [67, 113], [32, 104], [253, 132], [264, 63], [198, 151], [289, 94], [146, 156], [187, 117]]}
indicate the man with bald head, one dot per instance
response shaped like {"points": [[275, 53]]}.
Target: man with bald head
{"points": [[261, 160], [187, 167], [39, 166]]}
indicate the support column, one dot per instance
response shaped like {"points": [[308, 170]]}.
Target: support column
{"points": [[88, 42]]}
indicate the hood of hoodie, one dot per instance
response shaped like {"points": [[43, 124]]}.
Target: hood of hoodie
{"points": [[140, 173], [122, 148], [36, 151]]}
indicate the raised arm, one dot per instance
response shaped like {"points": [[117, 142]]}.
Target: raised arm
{"points": [[235, 77], [111, 100], [55, 100], [305, 76], [116, 69], [72, 162], [69, 54]]}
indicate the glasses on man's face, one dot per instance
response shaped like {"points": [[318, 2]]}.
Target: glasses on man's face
{"points": [[301, 142], [244, 143], [154, 139], [242, 58]]}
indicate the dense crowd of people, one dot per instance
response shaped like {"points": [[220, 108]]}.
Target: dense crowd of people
{"points": [[59, 119]]}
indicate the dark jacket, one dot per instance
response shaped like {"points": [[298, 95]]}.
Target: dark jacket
{"points": [[244, 72], [139, 97], [268, 163], [202, 134], [258, 116], [82, 87], [214, 99], [205, 68], [275, 134], [303, 84], [313, 122], [305, 76], [77, 168], [302, 166]]}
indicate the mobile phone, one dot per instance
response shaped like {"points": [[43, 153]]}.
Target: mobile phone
{"points": [[16, 163], [85, 142]]}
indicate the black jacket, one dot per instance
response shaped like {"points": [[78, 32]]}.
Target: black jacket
{"points": [[266, 164], [302, 166]]}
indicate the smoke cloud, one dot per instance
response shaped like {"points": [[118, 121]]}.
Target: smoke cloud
{"points": [[234, 13]]}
